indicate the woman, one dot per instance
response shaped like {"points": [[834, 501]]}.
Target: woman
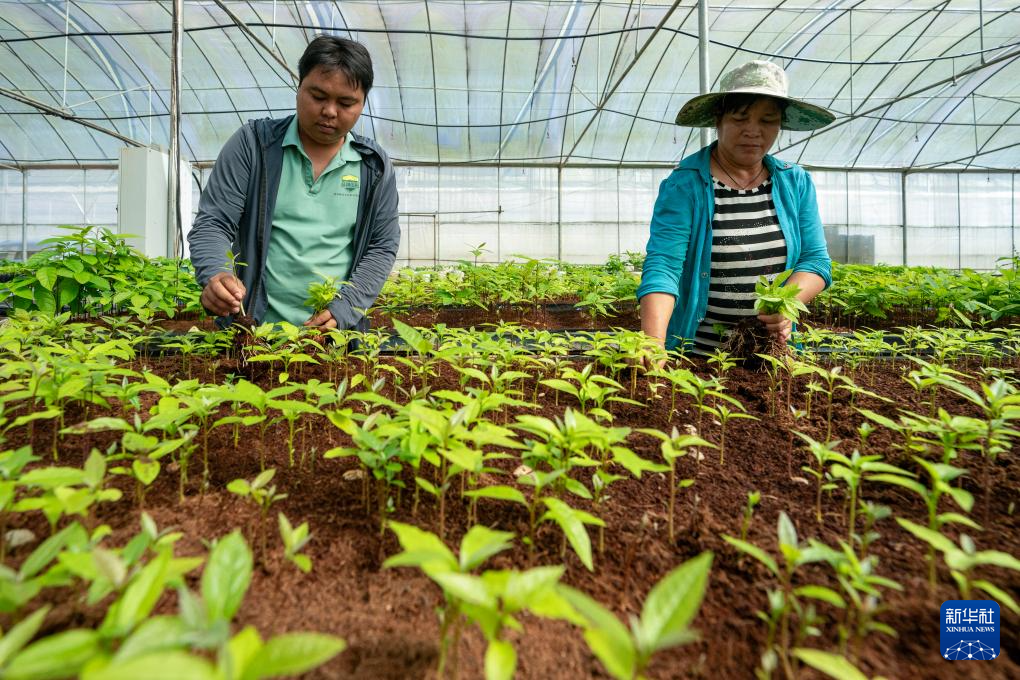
{"points": [[730, 213]]}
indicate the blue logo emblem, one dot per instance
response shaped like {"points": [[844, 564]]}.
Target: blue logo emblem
{"points": [[970, 630]]}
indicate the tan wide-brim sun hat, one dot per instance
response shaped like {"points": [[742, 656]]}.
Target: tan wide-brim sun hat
{"points": [[755, 77]]}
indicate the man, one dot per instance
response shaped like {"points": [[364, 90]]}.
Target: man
{"points": [[298, 198]]}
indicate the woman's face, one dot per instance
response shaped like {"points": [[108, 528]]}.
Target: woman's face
{"points": [[746, 136]]}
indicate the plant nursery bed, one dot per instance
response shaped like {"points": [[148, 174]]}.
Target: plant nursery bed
{"points": [[552, 316], [388, 615]]}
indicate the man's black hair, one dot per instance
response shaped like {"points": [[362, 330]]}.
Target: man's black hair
{"points": [[741, 101], [338, 54]]}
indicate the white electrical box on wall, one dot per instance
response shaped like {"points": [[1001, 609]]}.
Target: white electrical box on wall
{"points": [[142, 206]]}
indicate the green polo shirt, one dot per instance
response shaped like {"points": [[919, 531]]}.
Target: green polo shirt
{"points": [[313, 227]]}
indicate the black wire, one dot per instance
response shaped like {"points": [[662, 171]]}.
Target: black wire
{"points": [[400, 121], [522, 38]]}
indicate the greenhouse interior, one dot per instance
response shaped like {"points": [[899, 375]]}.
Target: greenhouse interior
{"points": [[509, 338]]}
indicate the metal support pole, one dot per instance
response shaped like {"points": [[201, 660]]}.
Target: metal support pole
{"points": [[24, 215], [903, 212], [704, 82], [846, 227], [559, 213], [981, 28], [67, 38], [173, 217], [257, 40], [619, 244], [959, 227]]}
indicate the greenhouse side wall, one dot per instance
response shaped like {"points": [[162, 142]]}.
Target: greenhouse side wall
{"points": [[585, 214]]}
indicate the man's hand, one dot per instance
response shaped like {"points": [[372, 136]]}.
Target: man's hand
{"points": [[223, 294], [777, 325], [323, 319]]}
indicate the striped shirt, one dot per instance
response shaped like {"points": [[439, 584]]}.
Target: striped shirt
{"points": [[746, 243]]}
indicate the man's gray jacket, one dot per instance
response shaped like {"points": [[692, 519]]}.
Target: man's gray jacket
{"points": [[236, 213]]}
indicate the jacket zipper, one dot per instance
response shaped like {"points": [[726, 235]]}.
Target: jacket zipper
{"points": [[260, 227]]}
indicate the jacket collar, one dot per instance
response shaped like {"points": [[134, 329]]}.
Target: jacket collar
{"points": [[271, 131], [699, 162]]}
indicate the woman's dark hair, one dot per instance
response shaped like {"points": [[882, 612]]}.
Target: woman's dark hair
{"points": [[338, 54], [741, 101]]}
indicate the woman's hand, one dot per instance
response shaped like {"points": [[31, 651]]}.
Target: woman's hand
{"points": [[777, 325], [323, 319]]}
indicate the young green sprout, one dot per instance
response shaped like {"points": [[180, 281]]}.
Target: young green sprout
{"points": [[321, 293], [753, 499], [775, 298], [233, 263], [263, 494], [294, 540]]}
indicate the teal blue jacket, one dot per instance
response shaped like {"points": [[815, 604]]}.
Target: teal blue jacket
{"points": [[678, 258]]}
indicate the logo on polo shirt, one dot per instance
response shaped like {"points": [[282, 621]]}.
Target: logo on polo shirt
{"points": [[349, 182]]}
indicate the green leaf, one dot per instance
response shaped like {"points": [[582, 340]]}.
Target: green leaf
{"points": [[754, 551], [57, 656], [821, 593], [499, 493], [608, 639], [47, 276], [95, 469], [110, 565], [963, 498], [480, 543], [158, 634], [997, 558], [572, 526], [19, 636], [241, 487], [145, 470], [412, 337], [67, 291], [957, 518], [523, 589], [292, 654], [500, 660], [561, 385], [833, 665], [46, 552], [226, 577], [52, 477], [787, 532], [138, 599], [169, 665], [935, 539], [634, 463], [465, 587], [44, 300], [672, 604], [427, 485], [999, 595], [239, 652], [421, 549], [898, 480]]}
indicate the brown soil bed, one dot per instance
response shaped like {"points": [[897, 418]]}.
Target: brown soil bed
{"points": [[562, 316], [388, 616], [553, 317]]}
